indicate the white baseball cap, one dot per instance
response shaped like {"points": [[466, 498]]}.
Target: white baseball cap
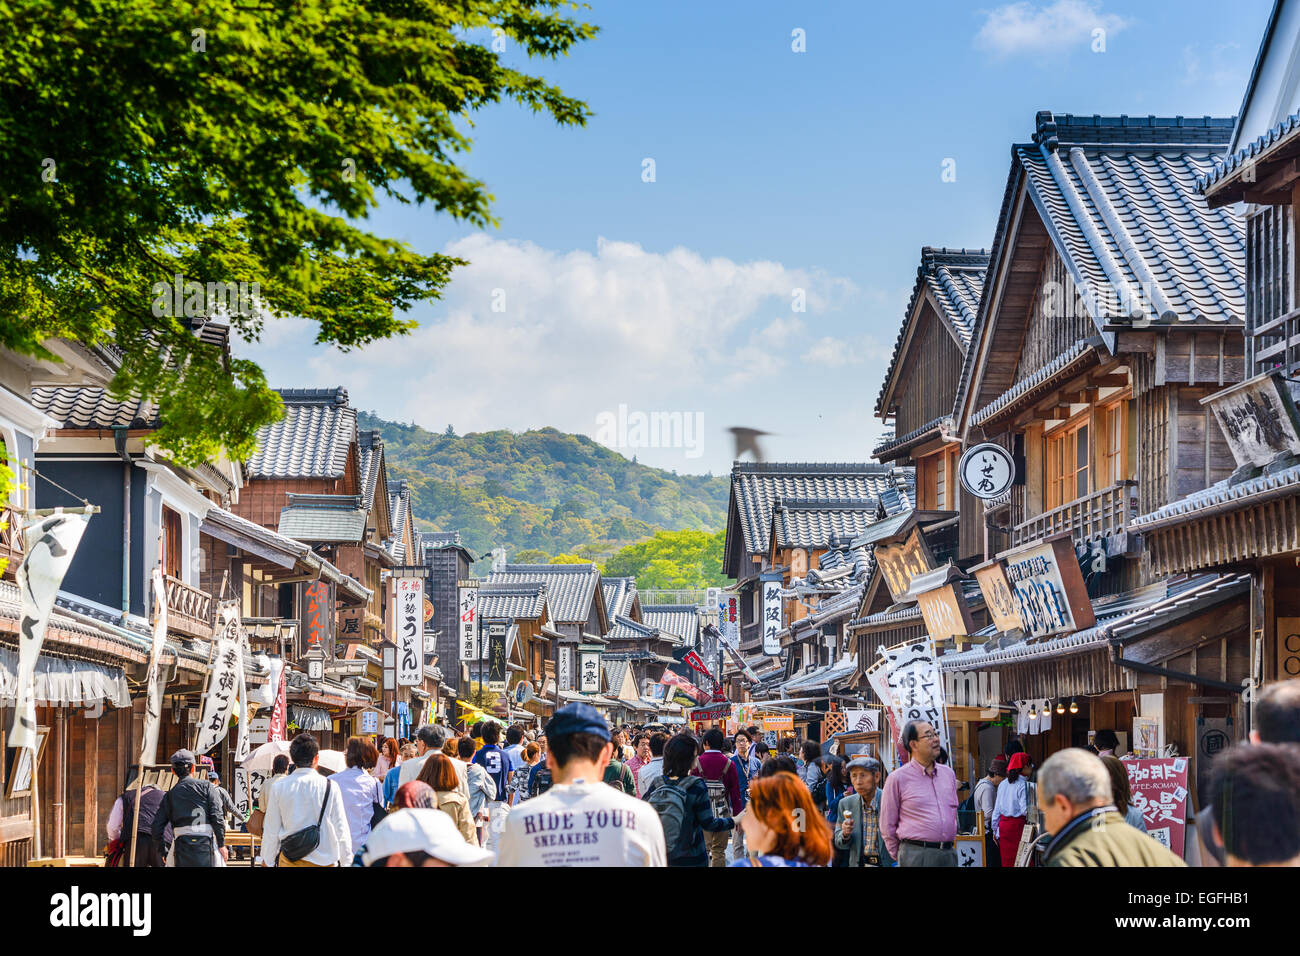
{"points": [[425, 829]]}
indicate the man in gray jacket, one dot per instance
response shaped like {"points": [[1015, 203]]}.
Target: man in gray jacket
{"points": [[859, 829]]}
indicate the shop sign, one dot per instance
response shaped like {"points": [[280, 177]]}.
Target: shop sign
{"points": [[992, 578], [589, 668], [987, 471], [1258, 418], [771, 618], [564, 677], [900, 563], [498, 671], [945, 613], [1048, 587], [409, 594], [712, 712], [317, 618], [1159, 789], [467, 601]]}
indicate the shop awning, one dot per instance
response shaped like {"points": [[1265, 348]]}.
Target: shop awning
{"points": [[64, 682], [310, 718]]}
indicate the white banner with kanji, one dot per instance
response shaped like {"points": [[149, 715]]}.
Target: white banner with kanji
{"points": [[224, 681]]}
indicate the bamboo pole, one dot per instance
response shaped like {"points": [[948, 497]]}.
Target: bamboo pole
{"points": [[158, 603]]}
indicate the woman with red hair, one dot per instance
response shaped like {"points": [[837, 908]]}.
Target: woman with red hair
{"points": [[782, 825]]}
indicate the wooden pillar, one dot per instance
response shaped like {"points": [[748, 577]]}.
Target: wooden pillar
{"points": [[90, 792], [59, 810]]}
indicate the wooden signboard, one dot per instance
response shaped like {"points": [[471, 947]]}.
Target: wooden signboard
{"points": [[945, 612], [1258, 418], [1288, 648], [1048, 587], [992, 578], [902, 561]]}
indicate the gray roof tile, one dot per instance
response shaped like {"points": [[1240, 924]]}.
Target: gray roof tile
{"points": [[620, 595], [678, 620], [511, 601], [570, 588], [1221, 493], [78, 407], [756, 486], [815, 523], [315, 518], [311, 440]]}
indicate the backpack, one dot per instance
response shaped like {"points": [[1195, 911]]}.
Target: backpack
{"points": [[719, 801], [966, 815], [669, 801], [541, 782]]}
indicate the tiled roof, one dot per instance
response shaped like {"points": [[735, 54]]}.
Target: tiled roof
{"points": [[1119, 195], [1239, 495], [570, 588], [315, 518], [626, 629], [1225, 166], [839, 569], [78, 407], [311, 440], [756, 486], [678, 620], [615, 671], [620, 594], [942, 423], [1077, 356], [222, 524], [399, 508], [814, 522], [955, 279], [1118, 619], [370, 455], [511, 601]]}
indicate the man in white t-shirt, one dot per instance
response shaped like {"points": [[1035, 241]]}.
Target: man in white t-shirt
{"points": [[581, 821]]}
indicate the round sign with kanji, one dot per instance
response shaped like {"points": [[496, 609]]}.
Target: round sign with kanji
{"points": [[987, 470]]}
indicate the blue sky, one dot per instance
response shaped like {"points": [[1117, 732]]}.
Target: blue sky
{"points": [[774, 171]]}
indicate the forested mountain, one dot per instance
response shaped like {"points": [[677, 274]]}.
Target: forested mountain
{"points": [[542, 492]]}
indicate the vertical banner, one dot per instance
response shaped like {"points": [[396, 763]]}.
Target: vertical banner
{"points": [[589, 668], [153, 680], [317, 619], [564, 672], [1160, 793], [242, 746], [248, 790], [48, 546], [498, 670], [771, 617], [223, 682], [468, 601], [280, 709], [410, 631]]}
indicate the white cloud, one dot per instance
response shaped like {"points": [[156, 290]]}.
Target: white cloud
{"points": [[581, 332], [1223, 69], [1025, 28], [830, 352]]}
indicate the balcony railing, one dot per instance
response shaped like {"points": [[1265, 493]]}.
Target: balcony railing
{"points": [[11, 542], [1100, 514], [189, 610]]}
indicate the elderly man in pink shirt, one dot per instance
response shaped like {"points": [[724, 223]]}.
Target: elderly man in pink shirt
{"points": [[918, 810]]}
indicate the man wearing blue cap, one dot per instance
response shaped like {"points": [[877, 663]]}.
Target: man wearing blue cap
{"points": [[581, 821]]}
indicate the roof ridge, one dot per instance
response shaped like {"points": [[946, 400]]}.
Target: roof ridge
{"points": [[338, 395], [798, 467], [1051, 129], [825, 504]]}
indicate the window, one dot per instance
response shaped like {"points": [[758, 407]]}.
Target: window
{"points": [[936, 477], [172, 544], [1113, 443], [1065, 463]]}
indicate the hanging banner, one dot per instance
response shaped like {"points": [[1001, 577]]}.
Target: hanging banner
{"points": [[48, 546], [247, 792], [154, 681], [498, 669], [280, 709], [316, 622], [468, 603], [863, 721], [695, 693], [1159, 790], [916, 685], [242, 745], [771, 618], [409, 593], [223, 682]]}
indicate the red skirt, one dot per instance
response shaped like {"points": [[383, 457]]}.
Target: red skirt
{"points": [[1009, 830]]}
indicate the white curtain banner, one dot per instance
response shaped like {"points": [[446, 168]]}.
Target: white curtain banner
{"points": [[155, 681], [48, 546], [224, 681], [916, 685]]}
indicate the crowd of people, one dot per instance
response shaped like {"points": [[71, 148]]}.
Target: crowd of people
{"points": [[581, 793]]}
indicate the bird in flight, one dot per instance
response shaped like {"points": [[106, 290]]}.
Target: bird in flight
{"points": [[747, 441]]}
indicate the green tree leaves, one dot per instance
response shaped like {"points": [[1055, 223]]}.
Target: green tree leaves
{"points": [[227, 142]]}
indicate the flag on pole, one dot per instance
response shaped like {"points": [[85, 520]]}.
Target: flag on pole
{"points": [[48, 546], [279, 710], [155, 681]]}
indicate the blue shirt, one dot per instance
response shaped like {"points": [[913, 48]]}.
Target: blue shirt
{"points": [[495, 761], [392, 780], [768, 859]]}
